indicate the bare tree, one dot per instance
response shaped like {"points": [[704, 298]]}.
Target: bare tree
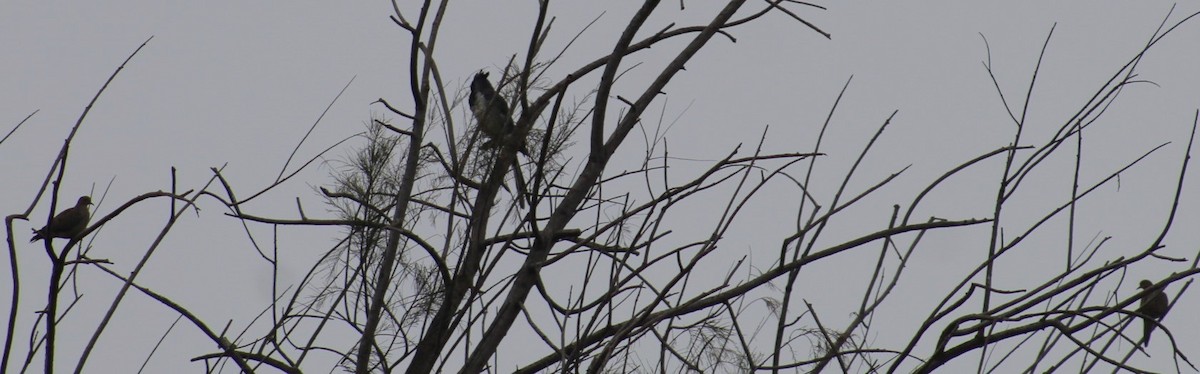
{"points": [[449, 249]]}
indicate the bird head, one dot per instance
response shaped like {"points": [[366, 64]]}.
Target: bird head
{"points": [[84, 201], [480, 84], [1145, 284]]}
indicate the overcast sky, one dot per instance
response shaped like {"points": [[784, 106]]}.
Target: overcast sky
{"points": [[239, 83]]}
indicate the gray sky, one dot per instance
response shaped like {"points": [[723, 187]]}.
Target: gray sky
{"points": [[239, 83]]}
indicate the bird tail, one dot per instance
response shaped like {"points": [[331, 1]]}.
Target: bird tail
{"points": [[1146, 333], [37, 235]]}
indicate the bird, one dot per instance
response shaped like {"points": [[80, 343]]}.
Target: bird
{"points": [[68, 223], [491, 110], [1154, 306]]}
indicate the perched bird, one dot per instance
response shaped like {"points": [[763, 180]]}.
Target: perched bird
{"points": [[1154, 305], [491, 111], [68, 223]]}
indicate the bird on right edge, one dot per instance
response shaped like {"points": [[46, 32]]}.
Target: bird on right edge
{"points": [[1154, 305], [68, 223]]}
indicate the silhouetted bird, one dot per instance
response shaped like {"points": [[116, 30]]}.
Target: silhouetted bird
{"points": [[491, 111], [68, 223], [1154, 305]]}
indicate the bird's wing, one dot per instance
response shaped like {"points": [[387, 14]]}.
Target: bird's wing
{"points": [[1157, 307], [70, 221]]}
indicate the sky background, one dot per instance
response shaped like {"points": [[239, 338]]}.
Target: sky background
{"points": [[237, 84]]}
